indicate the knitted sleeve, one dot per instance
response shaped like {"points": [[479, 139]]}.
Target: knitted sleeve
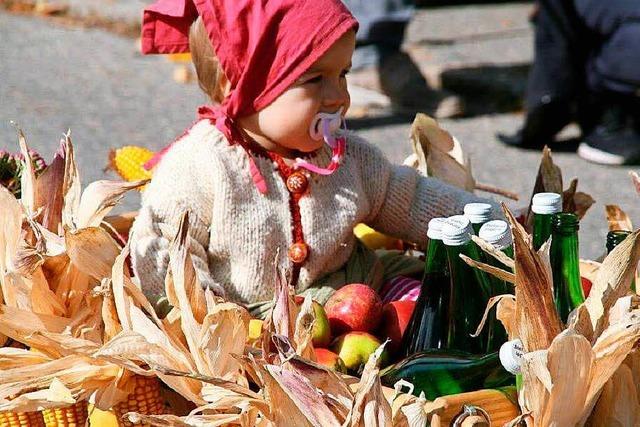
{"points": [[402, 200], [183, 181]]}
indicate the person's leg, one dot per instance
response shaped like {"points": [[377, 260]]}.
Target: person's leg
{"points": [[557, 76], [613, 75], [378, 41]]}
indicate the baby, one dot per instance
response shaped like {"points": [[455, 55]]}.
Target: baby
{"points": [[270, 169]]}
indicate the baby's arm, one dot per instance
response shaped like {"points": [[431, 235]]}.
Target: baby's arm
{"points": [[403, 201], [180, 183]]}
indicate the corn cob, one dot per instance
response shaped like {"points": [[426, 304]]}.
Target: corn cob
{"points": [[69, 416], [128, 162], [145, 399], [21, 419]]}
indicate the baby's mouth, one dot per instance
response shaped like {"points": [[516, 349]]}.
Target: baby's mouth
{"points": [[326, 126]]}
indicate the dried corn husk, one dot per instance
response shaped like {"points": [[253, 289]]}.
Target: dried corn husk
{"points": [[617, 218]]}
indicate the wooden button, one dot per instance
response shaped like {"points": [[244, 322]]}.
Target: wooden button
{"points": [[298, 252], [297, 183]]}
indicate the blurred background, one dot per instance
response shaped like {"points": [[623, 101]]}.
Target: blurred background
{"points": [[75, 64]]}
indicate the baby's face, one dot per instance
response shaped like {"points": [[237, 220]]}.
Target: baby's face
{"points": [[323, 88]]}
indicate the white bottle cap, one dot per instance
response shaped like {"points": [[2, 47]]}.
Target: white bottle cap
{"points": [[497, 233], [478, 213], [546, 203], [511, 356], [434, 229], [456, 231]]}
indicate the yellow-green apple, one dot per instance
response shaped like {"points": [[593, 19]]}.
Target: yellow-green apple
{"points": [[321, 334], [395, 319], [354, 348], [354, 307], [328, 358]]}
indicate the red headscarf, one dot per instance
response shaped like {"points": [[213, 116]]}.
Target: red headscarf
{"points": [[262, 45]]}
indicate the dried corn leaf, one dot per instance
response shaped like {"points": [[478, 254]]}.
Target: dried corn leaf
{"points": [[501, 274], [575, 201], [618, 403], [43, 299], [536, 317], [495, 253], [224, 332], [129, 346], [370, 407], [617, 218], [589, 269], [20, 324], [284, 311], [612, 282], [81, 375], [282, 409], [71, 185], [93, 251], [308, 399], [304, 330], [11, 358], [10, 226], [189, 295], [439, 154], [569, 352], [99, 198], [506, 314], [633, 362], [166, 420], [549, 179], [28, 189], [492, 301], [49, 194], [611, 349]]}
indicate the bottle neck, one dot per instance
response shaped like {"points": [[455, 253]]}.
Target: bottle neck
{"points": [[436, 258], [614, 238], [541, 229], [566, 264]]}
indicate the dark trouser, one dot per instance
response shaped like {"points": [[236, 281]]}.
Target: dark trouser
{"points": [[585, 46]]}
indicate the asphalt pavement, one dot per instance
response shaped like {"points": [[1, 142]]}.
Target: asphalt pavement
{"points": [[97, 84]]}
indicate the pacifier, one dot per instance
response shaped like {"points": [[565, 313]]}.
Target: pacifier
{"points": [[326, 126]]}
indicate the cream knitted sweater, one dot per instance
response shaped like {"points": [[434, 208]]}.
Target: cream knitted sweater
{"points": [[235, 230]]}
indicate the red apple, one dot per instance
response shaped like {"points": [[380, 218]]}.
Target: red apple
{"points": [[329, 359], [354, 348], [395, 319], [586, 286], [354, 307], [321, 334]]}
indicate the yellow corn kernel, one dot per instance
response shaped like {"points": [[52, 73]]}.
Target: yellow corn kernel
{"points": [[69, 416], [128, 162], [179, 57], [21, 419], [145, 399]]}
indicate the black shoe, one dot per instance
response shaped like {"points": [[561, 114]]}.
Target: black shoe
{"points": [[541, 126], [615, 140]]}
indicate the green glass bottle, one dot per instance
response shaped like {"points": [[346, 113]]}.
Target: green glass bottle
{"points": [[565, 264], [440, 373], [478, 214], [614, 238], [544, 206], [436, 255], [471, 288], [429, 324], [498, 234]]}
